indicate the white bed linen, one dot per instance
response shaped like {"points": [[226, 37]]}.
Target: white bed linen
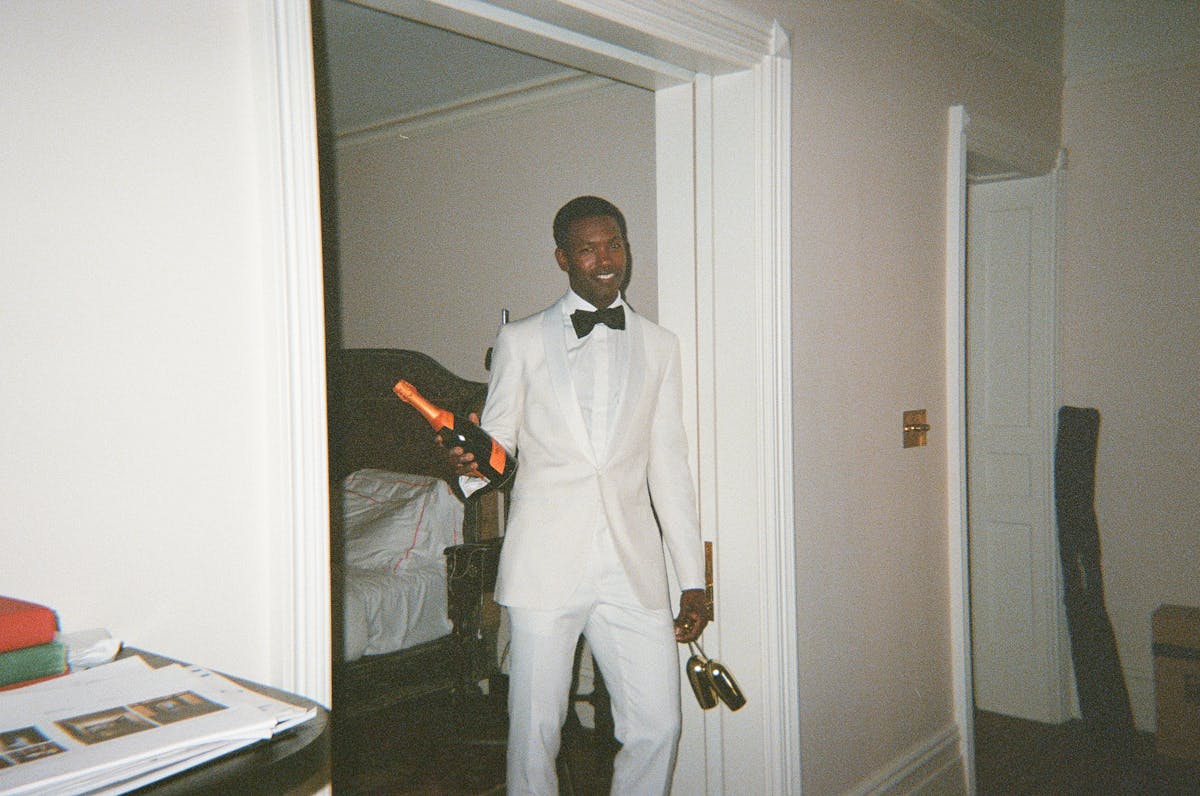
{"points": [[395, 528], [386, 611], [392, 519]]}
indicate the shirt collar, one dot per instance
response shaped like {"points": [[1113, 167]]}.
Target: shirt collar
{"points": [[574, 302]]}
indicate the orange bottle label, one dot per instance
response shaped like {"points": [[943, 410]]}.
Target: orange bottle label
{"points": [[498, 458]]}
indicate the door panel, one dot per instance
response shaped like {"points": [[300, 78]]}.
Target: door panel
{"points": [[1010, 409]]}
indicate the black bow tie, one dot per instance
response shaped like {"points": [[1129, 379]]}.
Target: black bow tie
{"points": [[584, 321]]}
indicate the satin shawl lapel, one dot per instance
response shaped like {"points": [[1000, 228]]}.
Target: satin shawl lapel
{"points": [[560, 376], [631, 380]]}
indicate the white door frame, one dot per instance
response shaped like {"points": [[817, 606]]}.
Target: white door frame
{"points": [[1030, 157], [956, 436], [730, 243]]}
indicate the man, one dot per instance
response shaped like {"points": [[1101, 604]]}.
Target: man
{"points": [[592, 407]]}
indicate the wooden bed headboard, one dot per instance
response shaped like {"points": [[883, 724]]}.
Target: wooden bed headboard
{"points": [[370, 427]]}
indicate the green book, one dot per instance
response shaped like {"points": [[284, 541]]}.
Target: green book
{"points": [[32, 663]]}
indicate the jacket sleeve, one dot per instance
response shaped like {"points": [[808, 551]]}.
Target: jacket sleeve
{"points": [[670, 479], [503, 408]]}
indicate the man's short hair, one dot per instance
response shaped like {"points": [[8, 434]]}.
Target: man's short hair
{"points": [[585, 207]]}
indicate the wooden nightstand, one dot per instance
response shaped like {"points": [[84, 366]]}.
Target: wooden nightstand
{"points": [[471, 577]]}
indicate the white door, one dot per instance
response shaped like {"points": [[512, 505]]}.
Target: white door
{"points": [[1015, 627]]}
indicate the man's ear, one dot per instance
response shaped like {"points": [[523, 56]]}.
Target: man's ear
{"points": [[561, 257]]}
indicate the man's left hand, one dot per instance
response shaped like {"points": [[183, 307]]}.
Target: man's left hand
{"points": [[693, 615]]}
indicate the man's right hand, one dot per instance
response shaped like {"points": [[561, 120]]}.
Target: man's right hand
{"points": [[461, 462]]}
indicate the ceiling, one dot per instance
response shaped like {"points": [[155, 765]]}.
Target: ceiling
{"points": [[383, 68]]}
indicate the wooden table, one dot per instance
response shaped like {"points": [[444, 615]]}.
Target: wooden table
{"points": [[276, 766]]}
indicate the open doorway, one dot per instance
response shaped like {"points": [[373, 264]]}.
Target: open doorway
{"points": [[1000, 299], [444, 159], [721, 85]]}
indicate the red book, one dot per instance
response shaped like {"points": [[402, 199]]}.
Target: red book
{"points": [[24, 624]]}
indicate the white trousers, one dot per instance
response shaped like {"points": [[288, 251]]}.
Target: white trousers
{"points": [[636, 651]]}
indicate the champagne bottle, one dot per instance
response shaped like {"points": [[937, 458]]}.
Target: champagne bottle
{"points": [[492, 462]]}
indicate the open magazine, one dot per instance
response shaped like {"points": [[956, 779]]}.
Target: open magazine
{"points": [[120, 726]]}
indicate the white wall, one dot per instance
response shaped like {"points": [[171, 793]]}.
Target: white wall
{"points": [[440, 231], [134, 401], [872, 82], [131, 325], [1130, 302]]}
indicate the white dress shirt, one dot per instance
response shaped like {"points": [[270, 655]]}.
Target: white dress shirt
{"points": [[596, 362]]}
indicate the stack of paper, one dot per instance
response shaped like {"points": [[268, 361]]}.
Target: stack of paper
{"points": [[125, 724]]}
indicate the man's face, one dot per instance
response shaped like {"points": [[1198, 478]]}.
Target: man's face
{"points": [[595, 259]]}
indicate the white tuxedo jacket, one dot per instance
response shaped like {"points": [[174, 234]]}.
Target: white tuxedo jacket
{"points": [[561, 488]]}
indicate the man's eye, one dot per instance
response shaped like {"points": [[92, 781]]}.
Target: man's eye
{"points": [[616, 245]]}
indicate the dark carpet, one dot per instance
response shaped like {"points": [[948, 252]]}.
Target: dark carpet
{"points": [[454, 746], [450, 744], [1015, 757]]}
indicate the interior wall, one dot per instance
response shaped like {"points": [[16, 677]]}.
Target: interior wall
{"points": [[872, 83], [1130, 303], [133, 268], [441, 231], [134, 403]]}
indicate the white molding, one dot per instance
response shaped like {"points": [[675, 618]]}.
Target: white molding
{"points": [[685, 183], [679, 131], [934, 759], [692, 193], [480, 108], [301, 646], [710, 29], [648, 43], [777, 496], [538, 31], [1068, 694], [958, 563], [990, 178], [1061, 666]]}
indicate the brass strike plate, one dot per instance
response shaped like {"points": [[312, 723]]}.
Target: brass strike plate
{"points": [[916, 430], [708, 579]]}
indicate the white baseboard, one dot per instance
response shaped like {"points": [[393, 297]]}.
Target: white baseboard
{"points": [[932, 766]]}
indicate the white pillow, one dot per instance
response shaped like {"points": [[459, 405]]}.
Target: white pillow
{"points": [[393, 518]]}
